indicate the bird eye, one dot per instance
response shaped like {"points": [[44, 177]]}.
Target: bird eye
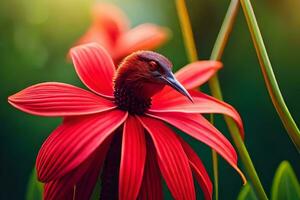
{"points": [[153, 65]]}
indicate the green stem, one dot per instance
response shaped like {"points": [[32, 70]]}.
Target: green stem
{"points": [[215, 166], [225, 30], [269, 76], [216, 92], [187, 30], [189, 42], [216, 173]]}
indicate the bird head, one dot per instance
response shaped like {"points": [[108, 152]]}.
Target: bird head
{"points": [[148, 72]]}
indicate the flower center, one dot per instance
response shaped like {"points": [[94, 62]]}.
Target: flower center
{"points": [[127, 99]]}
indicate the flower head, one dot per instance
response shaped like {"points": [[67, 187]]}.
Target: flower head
{"points": [[110, 28], [119, 127]]}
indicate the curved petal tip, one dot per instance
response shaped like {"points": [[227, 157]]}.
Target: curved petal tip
{"points": [[241, 175]]}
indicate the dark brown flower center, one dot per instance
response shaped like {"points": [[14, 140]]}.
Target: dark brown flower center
{"points": [[126, 99]]}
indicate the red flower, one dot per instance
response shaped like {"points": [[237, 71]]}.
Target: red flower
{"points": [[110, 28], [119, 128]]}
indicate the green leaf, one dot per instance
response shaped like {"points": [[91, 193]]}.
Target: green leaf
{"points": [[247, 193], [34, 188], [285, 184], [96, 191]]}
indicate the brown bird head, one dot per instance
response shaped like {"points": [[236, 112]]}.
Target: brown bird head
{"points": [[141, 75], [149, 72]]}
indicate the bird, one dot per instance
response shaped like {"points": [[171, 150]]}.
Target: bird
{"points": [[139, 77]]}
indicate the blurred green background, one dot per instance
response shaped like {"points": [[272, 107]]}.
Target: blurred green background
{"points": [[36, 34]]}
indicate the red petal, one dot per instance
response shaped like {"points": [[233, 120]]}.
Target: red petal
{"points": [[110, 19], [197, 73], [202, 103], [95, 34], [193, 75], [199, 170], [198, 127], [75, 181], [151, 188], [95, 68], [73, 141], [133, 158], [172, 160], [58, 99], [64, 187], [52, 188], [86, 184], [109, 22], [142, 37]]}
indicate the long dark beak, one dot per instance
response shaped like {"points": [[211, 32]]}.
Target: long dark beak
{"points": [[171, 81]]}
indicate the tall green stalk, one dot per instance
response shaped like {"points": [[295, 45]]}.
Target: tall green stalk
{"points": [[269, 76], [187, 30], [215, 162], [214, 85], [216, 54], [216, 90], [189, 43]]}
